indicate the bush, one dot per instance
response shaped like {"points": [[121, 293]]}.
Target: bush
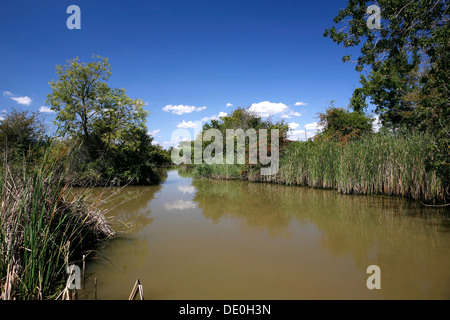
{"points": [[342, 125], [20, 132]]}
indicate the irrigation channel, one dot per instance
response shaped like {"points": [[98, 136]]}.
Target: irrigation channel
{"points": [[206, 239]]}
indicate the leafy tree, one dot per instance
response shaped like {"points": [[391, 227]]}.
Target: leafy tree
{"points": [[20, 131], [245, 119], [111, 125], [408, 53], [86, 106], [342, 125], [406, 67]]}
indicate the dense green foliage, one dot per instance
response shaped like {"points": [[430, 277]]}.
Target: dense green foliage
{"points": [[20, 133], [115, 145], [343, 125], [248, 134], [405, 67], [43, 226], [376, 164], [379, 163], [408, 53]]}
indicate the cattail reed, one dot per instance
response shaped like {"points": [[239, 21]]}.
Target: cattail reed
{"points": [[383, 164], [41, 224]]}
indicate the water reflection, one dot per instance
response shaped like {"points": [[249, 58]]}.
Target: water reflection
{"points": [[408, 241], [180, 205], [186, 189], [199, 239]]}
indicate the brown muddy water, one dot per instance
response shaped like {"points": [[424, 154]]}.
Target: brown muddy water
{"points": [[200, 239]]}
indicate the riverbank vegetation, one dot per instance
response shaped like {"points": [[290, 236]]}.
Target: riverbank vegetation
{"points": [[102, 140], [104, 129], [378, 163], [404, 77], [111, 127], [43, 226]]}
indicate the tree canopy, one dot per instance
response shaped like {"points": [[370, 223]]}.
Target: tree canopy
{"points": [[404, 65], [85, 105], [110, 124], [342, 125], [405, 61]]}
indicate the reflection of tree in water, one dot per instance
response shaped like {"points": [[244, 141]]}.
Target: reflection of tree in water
{"points": [[242, 199], [405, 239], [127, 207], [185, 171]]}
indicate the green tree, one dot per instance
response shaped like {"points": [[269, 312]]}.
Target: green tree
{"points": [[406, 64], [408, 53], [86, 106], [111, 125], [245, 119], [343, 125]]}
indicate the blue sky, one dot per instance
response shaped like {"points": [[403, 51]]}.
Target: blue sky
{"points": [[187, 59]]}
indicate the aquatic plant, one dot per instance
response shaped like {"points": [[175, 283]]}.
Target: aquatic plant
{"points": [[43, 226]]}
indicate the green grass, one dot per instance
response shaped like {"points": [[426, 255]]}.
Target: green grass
{"points": [[43, 227]]}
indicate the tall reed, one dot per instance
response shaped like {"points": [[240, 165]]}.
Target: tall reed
{"points": [[42, 226], [381, 163]]}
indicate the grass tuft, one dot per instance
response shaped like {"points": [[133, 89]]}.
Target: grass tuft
{"points": [[43, 226]]}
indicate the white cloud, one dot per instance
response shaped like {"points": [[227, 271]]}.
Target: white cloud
{"points": [[172, 143], [22, 100], [214, 117], [289, 114], [189, 124], [186, 189], [296, 114], [2, 118], [311, 129], [313, 126], [301, 135], [301, 103], [229, 104], [180, 205], [266, 108], [181, 109], [45, 109], [154, 132], [165, 144]]}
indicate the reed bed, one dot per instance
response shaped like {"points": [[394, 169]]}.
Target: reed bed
{"points": [[383, 164], [43, 227]]}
